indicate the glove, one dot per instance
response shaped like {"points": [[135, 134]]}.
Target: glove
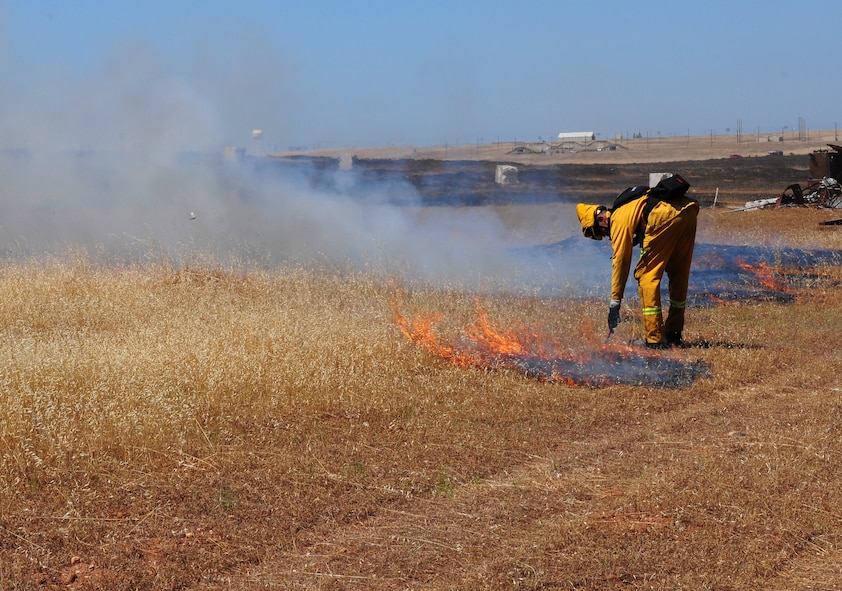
{"points": [[613, 315]]}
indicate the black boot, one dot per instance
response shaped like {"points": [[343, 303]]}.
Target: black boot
{"points": [[674, 339], [659, 345]]}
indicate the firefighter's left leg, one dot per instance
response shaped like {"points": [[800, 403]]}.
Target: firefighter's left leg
{"points": [[648, 273], [678, 272], [650, 268]]}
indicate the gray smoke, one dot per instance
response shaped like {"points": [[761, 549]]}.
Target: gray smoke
{"points": [[132, 163]]}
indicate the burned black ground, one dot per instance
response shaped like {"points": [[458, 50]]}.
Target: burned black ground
{"points": [[472, 183]]}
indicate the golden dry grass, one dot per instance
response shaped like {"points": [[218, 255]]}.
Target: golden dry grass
{"points": [[199, 428]]}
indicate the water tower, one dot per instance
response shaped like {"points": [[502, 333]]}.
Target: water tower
{"points": [[257, 142]]}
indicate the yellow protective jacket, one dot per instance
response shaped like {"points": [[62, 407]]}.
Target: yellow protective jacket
{"points": [[626, 220]]}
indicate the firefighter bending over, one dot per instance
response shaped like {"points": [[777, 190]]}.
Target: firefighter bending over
{"points": [[662, 221]]}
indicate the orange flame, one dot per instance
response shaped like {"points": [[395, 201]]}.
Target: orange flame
{"points": [[767, 276], [714, 298], [487, 343], [419, 331], [487, 337]]}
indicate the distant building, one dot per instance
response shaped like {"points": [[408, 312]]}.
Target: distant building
{"points": [[576, 136]]}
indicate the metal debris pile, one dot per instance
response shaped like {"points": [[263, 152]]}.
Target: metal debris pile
{"points": [[822, 190], [824, 193]]}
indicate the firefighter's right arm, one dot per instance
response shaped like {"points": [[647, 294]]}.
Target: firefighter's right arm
{"points": [[624, 222]]}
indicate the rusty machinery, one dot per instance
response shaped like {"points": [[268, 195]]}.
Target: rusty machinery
{"points": [[823, 189], [826, 163]]}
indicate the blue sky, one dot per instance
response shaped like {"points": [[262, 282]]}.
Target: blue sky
{"points": [[323, 73]]}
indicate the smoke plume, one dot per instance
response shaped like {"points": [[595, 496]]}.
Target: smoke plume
{"points": [[136, 159]]}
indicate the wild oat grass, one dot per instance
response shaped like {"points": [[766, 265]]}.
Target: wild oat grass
{"points": [[200, 428]]}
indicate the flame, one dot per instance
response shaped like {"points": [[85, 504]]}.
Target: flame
{"points": [[419, 331], [767, 276], [713, 298], [486, 336], [488, 346], [540, 356]]}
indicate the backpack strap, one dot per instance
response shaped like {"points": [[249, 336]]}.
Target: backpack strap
{"points": [[654, 199], [630, 195]]}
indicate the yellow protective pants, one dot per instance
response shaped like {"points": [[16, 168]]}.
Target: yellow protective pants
{"points": [[667, 247]]}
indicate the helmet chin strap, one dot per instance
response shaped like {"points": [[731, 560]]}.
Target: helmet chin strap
{"points": [[600, 211], [596, 213]]}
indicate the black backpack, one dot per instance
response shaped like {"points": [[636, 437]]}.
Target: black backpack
{"points": [[666, 190], [671, 188]]}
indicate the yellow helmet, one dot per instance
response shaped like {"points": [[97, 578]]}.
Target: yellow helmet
{"points": [[587, 217]]}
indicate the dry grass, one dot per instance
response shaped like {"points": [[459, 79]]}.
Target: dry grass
{"points": [[198, 428]]}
